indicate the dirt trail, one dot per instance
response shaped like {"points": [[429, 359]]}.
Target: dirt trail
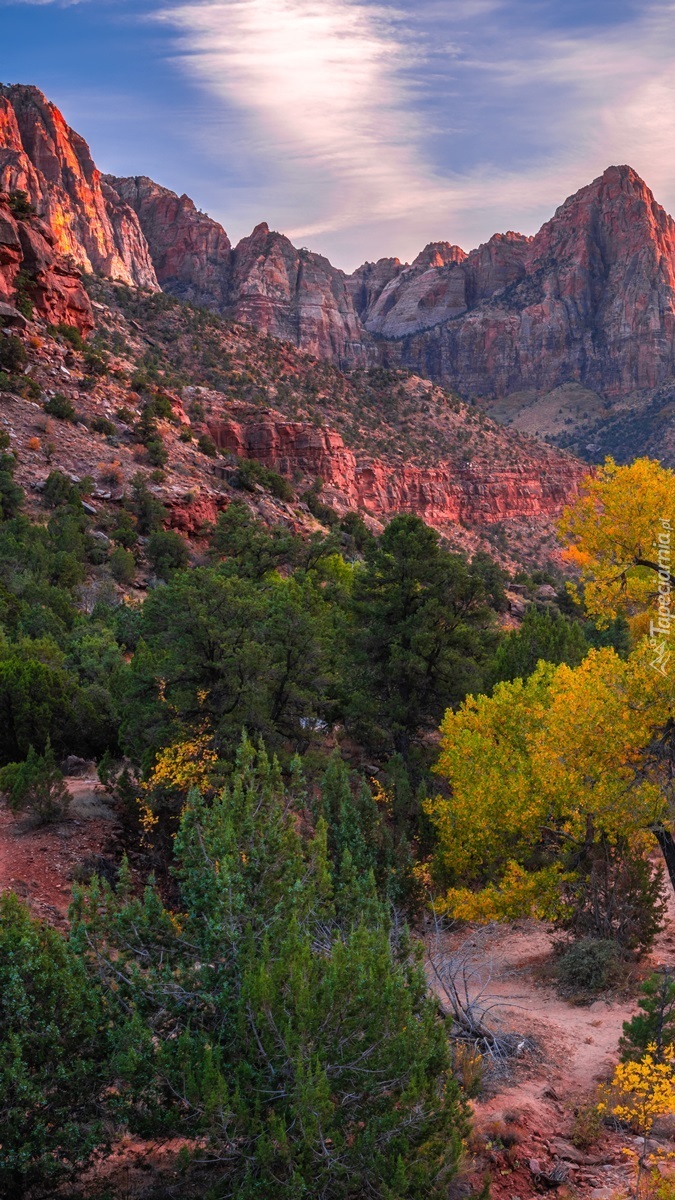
{"points": [[576, 1049], [37, 863]]}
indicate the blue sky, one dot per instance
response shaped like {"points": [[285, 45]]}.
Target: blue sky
{"points": [[360, 129]]}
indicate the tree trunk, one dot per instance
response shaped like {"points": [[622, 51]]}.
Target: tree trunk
{"points": [[667, 843]]}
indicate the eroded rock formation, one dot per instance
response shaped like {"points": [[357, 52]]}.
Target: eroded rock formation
{"points": [[42, 156], [445, 495], [29, 258]]}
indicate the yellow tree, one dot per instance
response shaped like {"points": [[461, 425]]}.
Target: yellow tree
{"points": [[569, 755], [619, 536]]}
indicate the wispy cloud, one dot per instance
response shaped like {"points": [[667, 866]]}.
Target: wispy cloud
{"points": [[368, 129]]}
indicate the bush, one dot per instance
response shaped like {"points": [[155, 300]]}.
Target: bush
{"points": [[36, 784], [122, 565], [53, 1050], [20, 205], [102, 425], [13, 355], [207, 445], [157, 453], [616, 895], [59, 490], [589, 965], [310, 1045], [70, 334], [148, 510], [61, 407], [167, 552], [251, 472], [655, 1025]]}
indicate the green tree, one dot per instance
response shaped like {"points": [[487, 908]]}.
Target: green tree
{"points": [[232, 652], [254, 549], [53, 1054], [542, 635], [167, 552], [261, 1024], [421, 634], [655, 1025], [37, 784]]}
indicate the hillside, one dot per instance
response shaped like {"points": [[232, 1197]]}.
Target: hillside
{"points": [[380, 442], [569, 335]]}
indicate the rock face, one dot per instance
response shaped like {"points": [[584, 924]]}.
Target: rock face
{"points": [[42, 156], [298, 296], [191, 253], [444, 495], [49, 279], [264, 281], [590, 299]]}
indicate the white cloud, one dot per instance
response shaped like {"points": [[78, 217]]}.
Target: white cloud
{"points": [[331, 108]]}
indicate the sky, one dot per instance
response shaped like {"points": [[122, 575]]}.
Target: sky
{"points": [[361, 129]]}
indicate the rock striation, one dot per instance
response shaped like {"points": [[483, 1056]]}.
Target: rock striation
{"points": [[589, 299], [445, 495], [29, 258], [42, 156]]}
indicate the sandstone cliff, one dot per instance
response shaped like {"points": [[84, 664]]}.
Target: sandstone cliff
{"points": [[42, 156], [190, 252], [446, 495], [28, 257], [265, 281], [590, 299]]}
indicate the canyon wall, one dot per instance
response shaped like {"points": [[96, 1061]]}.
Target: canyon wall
{"points": [[42, 156], [444, 495], [29, 257]]}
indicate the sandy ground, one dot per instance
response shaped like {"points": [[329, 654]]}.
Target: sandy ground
{"points": [[575, 1050], [37, 863]]}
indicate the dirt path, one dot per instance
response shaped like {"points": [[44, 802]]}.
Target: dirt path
{"points": [[38, 863], [576, 1049]]}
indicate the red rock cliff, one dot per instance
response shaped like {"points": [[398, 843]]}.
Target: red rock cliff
{"points": [[444, 495], [42, 156], [591, 298], [50, 279]]}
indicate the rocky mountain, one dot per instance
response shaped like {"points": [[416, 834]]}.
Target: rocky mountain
{"points": [[264, 281], [568, 335], [33, 275], [43, 157]]}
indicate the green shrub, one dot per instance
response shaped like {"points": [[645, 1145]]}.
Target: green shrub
{"points": [[167, 552], [36, 784], [95, 362], [157, 452], [251, 472], [186, 434], [307, 1041], [59, 490], [207, 445], [13, 355], [23, 299], [61, 407], [148, 510], [20, 205], [589, 965], [102, 425], [655, 1025], [122, 565], [70, 334], [53, 1051]]}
